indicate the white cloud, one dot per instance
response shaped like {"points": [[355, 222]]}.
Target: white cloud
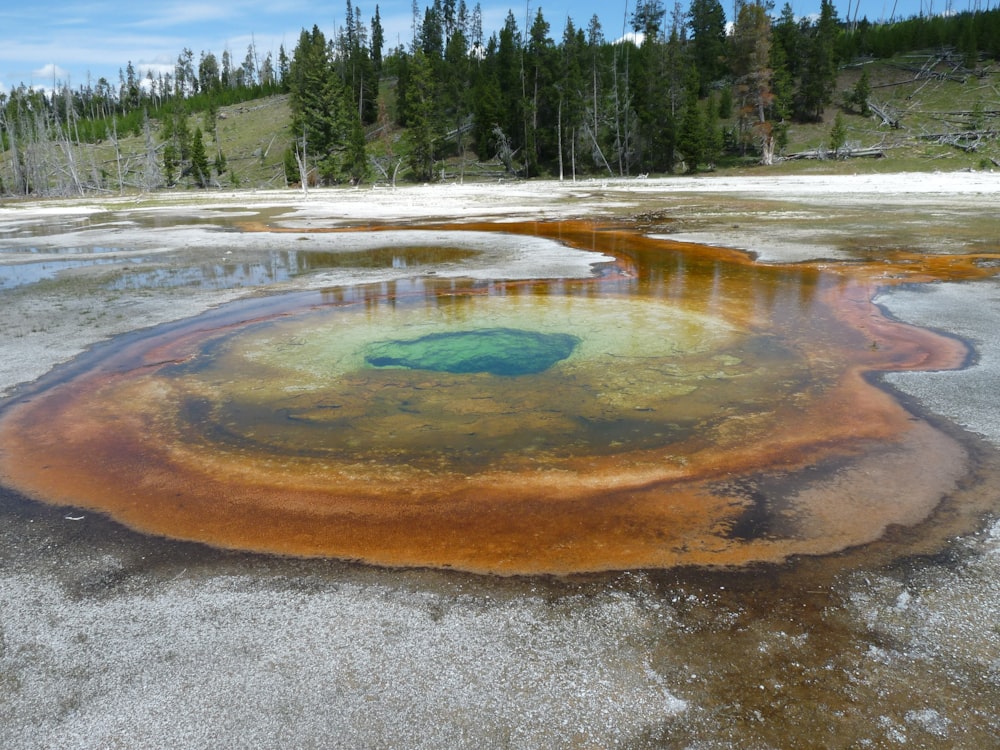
{"points": [[181, 14], [156, 68], [636, 37], [50, 72]]}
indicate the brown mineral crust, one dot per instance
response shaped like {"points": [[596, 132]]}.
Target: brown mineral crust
{"points": [[890, 345], [611, 516]]}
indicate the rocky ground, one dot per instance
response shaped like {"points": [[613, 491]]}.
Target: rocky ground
{"points": [[111, 639]]}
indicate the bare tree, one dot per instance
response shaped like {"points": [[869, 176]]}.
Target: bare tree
{"points": [[152, 177], [301, 162], [505, 152]]}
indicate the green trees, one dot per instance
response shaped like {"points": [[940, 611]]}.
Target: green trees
{"points": [[456, 83], [209, 77], [692, 140], [200, 169], [751, 58], [176, 136], [819, 64], [860, 94], [499, 103], [356, 65], [838, 134], [378, 41], [420, 133], [316, 95], [325, 120], [184, 152], [658, 75], [510, 82], [707, 20], [570, 91], [541, 98]]}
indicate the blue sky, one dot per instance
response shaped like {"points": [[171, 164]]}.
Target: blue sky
{"points": [[77, 41]]}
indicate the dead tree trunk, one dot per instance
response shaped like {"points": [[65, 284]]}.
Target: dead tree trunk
{"points": [[118, 155], [884, 114], [300, 160], [559, 132]]}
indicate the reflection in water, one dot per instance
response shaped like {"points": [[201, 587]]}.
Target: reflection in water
{"points": [[72, 250], [21, 274], [699, 409], [282, 266], [206, 276]]}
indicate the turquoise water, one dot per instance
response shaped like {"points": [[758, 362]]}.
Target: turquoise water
{"points": [[497, 351]]}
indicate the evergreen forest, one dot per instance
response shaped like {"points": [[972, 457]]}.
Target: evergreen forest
{"points": [[689, 89]]}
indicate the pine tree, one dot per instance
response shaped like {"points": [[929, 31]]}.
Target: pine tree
{"points": [[655, 68], [487, 102], [208, 71], [176, 135], [751, 56], [322, 111], [356, 155], [356, 66], [714, 141], [783, 92], [420, 132], [508, 67], [819, 71], [838, 134], [283, 66], [787, 36], [861, 93], [540, 62], [200, 169], [570, 88], [692, 137], [171, 162], [378, 40], [455, 84], [267, 74], [432, 32], [708, 28]]}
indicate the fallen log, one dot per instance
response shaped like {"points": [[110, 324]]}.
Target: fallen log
{"points": [[874, 152], [961, 134]]}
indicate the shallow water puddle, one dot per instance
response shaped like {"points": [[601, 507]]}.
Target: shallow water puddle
{"points": [[683, 406]]}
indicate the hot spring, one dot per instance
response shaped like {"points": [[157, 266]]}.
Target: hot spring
{"points": [[681, 406]]}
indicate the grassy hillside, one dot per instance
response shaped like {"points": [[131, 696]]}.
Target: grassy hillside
{"points": [[254, 136], [933, 102]]}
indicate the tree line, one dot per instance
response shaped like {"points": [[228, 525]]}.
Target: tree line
{"points": [[534, 100], [581, 102]]}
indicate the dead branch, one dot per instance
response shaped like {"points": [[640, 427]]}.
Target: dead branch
{"points": [[967, 141], [882, 110]]}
